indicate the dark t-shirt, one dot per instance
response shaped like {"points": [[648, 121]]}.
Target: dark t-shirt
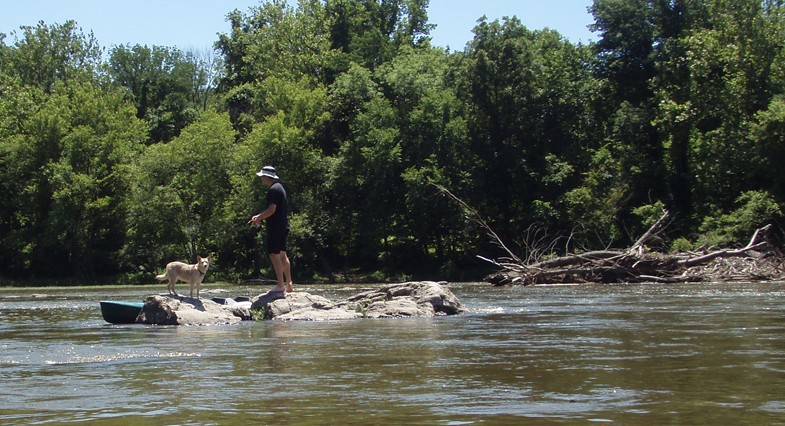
{"points": [[277, 195]]}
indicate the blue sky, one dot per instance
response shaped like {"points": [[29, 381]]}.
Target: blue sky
{"points": [[194, 24]]}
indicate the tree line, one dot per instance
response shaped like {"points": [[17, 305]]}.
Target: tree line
{"points": [[114, 162]]}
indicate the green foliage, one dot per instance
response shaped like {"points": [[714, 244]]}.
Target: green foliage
{"points": [[277, 40], [754, 209], [370, 32], [592, 206], [649, 214], [67, 180], [717, 63], [258, 314], [46, 54], [167, 86], [767, 132], [303, 105], [681, 245], [117, 167], [177, 197], [526, 96], [626, 46]]}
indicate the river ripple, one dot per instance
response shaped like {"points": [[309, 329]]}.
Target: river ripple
{"points": [[625, 354]]}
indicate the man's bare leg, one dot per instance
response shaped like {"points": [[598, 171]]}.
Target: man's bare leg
{"points": [[275, 259], [287, 272]]}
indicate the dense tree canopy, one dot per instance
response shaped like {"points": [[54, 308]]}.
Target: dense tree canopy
{"points": [[115, 166], [166, 86]]}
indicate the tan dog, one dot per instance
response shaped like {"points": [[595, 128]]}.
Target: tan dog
{"points": [[192, 274]]}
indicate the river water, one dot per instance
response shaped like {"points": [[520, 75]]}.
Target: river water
{"points": [[592, 354]]}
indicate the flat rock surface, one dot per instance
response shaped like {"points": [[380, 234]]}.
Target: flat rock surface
{"points": [[411, 299], [176, 310]]}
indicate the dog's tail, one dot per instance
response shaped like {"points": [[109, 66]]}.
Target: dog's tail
{"points": [[161, 277]]}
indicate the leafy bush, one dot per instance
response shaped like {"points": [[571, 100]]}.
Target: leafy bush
{"points": [[756, 209]]}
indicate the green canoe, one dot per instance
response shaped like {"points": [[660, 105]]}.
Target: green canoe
{"points": [[120, 312]]}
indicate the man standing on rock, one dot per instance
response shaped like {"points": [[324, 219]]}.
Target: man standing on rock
{"points": [[277, 215]]}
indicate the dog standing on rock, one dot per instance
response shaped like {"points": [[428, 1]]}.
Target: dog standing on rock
{"points": [[192, 274]]}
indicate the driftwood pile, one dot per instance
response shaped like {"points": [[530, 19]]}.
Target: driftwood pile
{"points": [[757, 261]]}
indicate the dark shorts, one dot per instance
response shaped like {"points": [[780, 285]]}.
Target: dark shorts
{"points": [[276, 240]]}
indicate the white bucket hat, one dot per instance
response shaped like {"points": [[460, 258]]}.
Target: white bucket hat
{"points": [[268, 171]]}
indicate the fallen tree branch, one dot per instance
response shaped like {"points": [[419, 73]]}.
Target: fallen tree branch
{"points": [[479, 220], [718, 254], [637, 247], [577, 259]]}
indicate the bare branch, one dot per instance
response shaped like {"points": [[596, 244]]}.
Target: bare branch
{"points": [[479, 220], [637, 247]]}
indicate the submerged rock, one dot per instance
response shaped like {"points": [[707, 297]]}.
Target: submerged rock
{"points": [[412, 299]]}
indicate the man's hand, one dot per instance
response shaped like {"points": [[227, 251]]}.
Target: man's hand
{"points": [[255, 219]]}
